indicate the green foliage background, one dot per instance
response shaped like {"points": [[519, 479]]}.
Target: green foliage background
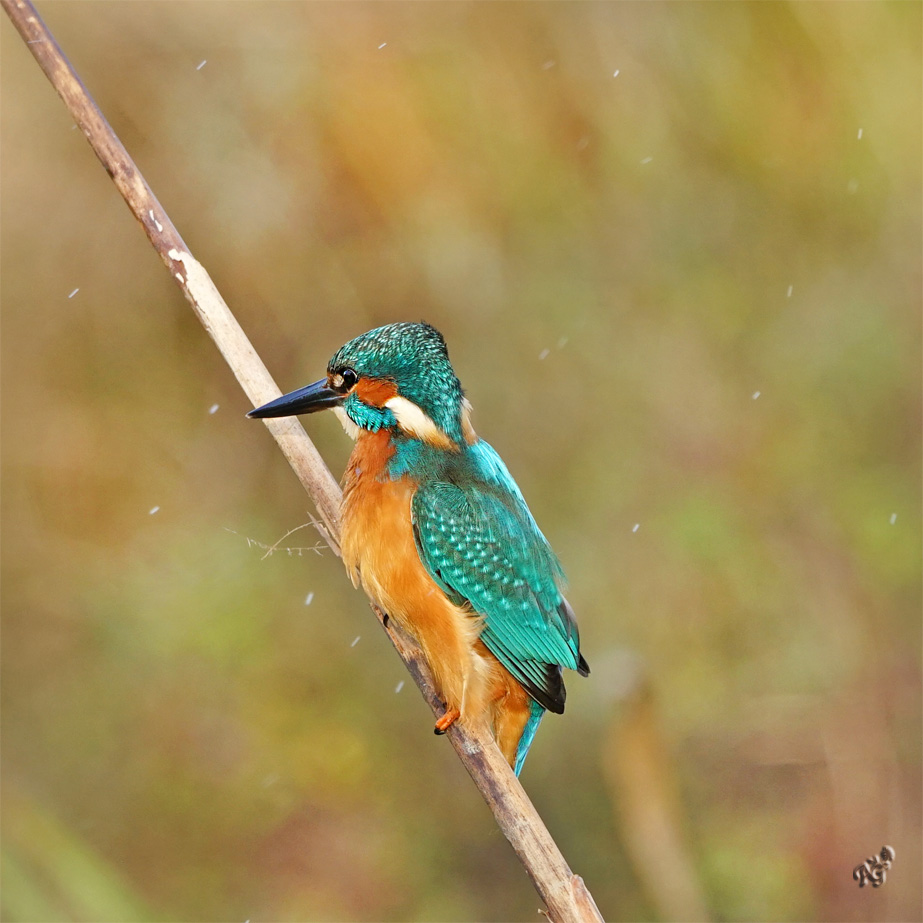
{"points": [[627, 219]]}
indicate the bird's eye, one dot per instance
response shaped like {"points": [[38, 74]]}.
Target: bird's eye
{"points": [[349, 378]]}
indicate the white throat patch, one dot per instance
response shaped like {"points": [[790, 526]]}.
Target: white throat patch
{"points": [[415, 422], [350, 428]]}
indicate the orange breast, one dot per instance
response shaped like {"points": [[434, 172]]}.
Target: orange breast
{"points": [[377, 540], [379, 551]]}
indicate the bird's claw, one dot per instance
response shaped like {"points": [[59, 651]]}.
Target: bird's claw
{"points": [[447, 720]]}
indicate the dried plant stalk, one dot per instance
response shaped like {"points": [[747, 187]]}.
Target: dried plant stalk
{"points": [[564, 893]]}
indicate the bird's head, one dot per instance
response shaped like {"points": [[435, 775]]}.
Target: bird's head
{"points": [[396, 377]]}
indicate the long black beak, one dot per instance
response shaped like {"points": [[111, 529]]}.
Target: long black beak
{"points": [[305, 400]]}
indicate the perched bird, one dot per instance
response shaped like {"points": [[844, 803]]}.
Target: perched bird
{"points": [[439, 535]]}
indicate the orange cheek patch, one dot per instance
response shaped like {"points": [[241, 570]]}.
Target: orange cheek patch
{"points": [[375, 391]]}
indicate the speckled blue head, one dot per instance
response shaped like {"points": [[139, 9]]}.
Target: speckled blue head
{"points": [[396, 377], [412, 357]]}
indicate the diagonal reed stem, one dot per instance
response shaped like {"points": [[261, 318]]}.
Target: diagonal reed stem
{"points": [[565, 895]]}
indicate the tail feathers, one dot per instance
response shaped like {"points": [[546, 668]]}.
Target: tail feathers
{"points": [[528, 734], [583, 668]]}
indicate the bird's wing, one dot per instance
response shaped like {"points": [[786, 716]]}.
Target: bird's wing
{"points": [[482, 546]]}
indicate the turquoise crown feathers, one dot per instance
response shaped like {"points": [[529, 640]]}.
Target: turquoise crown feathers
{"points": [[415, 357]]}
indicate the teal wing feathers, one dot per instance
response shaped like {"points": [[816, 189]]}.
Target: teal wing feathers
{"points": [[479, 542]]}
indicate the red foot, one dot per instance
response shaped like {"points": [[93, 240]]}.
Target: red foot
{"points": [[447, 720]]}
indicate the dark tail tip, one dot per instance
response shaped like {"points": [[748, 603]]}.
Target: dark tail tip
{"points": [[583, 668]]}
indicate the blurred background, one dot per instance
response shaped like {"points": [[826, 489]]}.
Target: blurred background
{"points": [[675, 250]]}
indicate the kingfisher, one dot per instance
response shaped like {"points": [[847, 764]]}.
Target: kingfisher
{"points": [[437, 532]]}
